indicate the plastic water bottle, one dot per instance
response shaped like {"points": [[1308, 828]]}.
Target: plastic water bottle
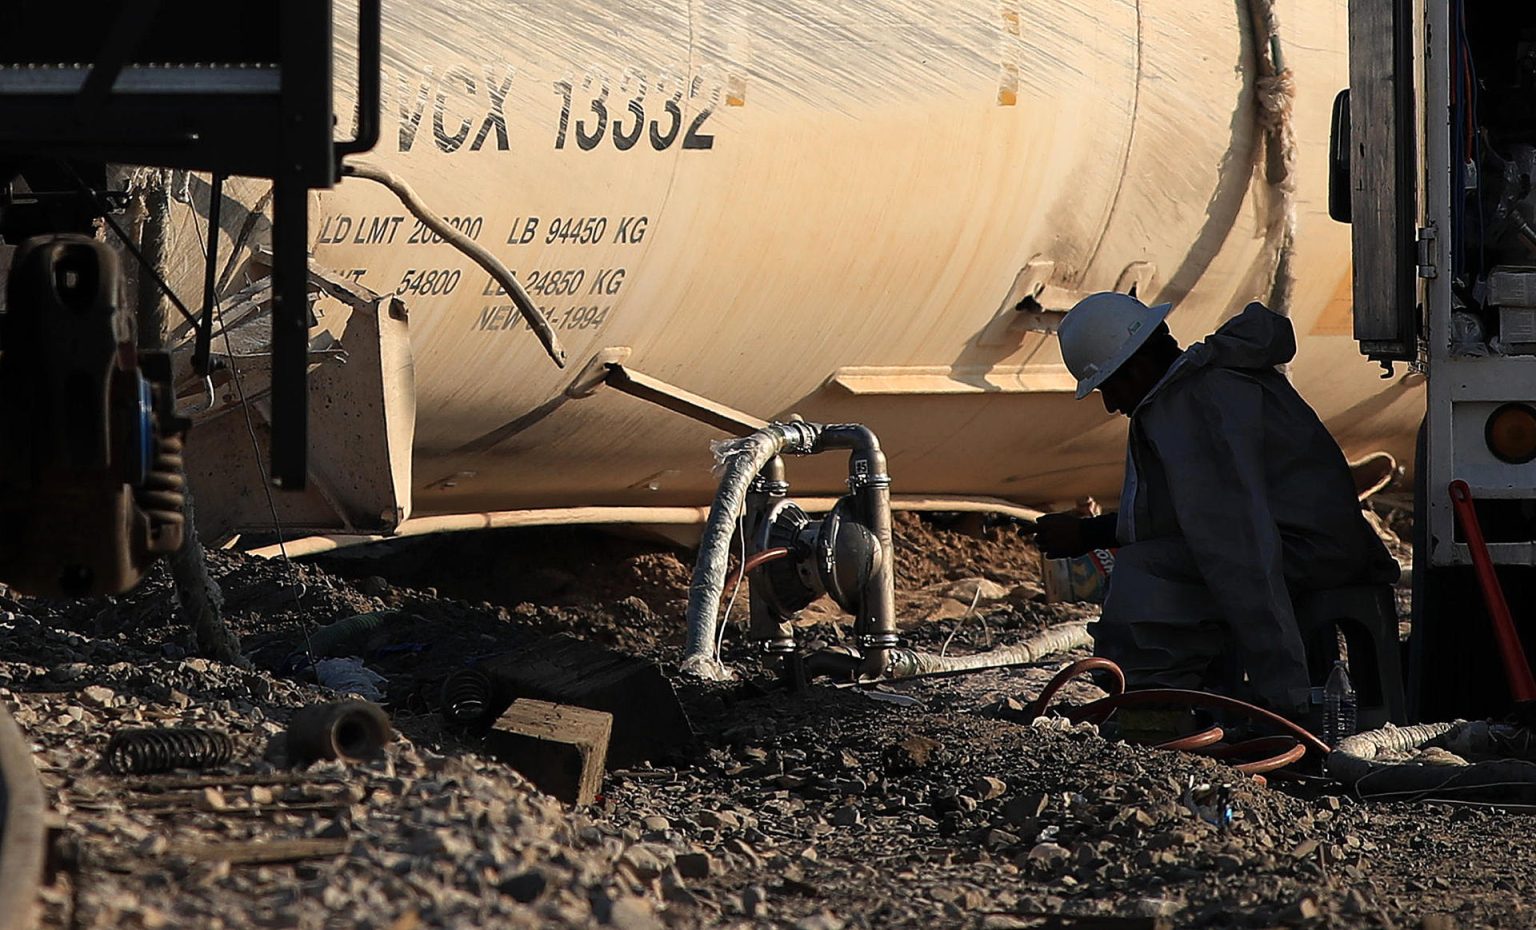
{"points": [[1338, 705]]}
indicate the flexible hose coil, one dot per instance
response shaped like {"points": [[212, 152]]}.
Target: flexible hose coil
{"points": [[1064, 637], [742, 460]]}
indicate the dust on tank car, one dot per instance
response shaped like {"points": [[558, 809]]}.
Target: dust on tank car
{"points": [[872, 212]]}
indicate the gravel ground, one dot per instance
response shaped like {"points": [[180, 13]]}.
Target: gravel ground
{"points": [[928, 804]]}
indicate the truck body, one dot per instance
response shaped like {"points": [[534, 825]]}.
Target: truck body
{"points": [[1434, 168]]}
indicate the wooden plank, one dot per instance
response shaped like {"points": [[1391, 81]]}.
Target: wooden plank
{"points": [[157, 783], [259, 853], [1384, 177], [560, 748], [1072, 922]]}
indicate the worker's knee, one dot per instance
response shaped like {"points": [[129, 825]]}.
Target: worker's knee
{"points": [[1159, 654]]}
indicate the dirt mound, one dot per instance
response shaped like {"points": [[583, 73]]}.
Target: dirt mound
{"points": [[930, 550]]}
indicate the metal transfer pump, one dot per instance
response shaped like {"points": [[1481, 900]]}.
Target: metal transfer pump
{"points": [[847, 555], [791, 558]]}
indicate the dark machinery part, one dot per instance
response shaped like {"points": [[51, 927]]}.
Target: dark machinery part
{"points": [[847, 555], [91, 486], [836, 556], [346, 730], [152, 750], [169, 84]]}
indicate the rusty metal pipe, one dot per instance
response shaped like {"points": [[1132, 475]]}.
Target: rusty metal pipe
{"points": [[346, 730]]}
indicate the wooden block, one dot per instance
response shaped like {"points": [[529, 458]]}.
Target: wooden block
{"points": [[560, 748], [648, 720]]}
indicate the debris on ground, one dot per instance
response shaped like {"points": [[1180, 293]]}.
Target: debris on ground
{"points": [[825, 808]]}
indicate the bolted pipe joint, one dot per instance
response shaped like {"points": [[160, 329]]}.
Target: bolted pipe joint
{"points": [[799, 437]]}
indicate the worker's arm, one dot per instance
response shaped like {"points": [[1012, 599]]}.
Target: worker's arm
{"points": [[1209, 435], [1065, 535]]}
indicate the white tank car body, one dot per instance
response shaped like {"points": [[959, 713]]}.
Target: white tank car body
{"points": [[825, 209]]}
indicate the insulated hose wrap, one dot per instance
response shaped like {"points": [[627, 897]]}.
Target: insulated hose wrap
{"points": [[907, 663], [1367, 746], [740, 461], [1353, 762]]}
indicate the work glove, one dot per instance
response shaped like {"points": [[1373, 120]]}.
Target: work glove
{"points": [[1061, 536]]}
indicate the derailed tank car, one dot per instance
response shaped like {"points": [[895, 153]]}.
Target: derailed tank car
{"points": [[871, 213]]}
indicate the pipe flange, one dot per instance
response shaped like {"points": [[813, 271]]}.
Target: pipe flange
{"points": [[800, 438], [863, 481], [768, 486]]}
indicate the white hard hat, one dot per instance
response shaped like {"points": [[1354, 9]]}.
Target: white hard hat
{"points": [[1102, 332]]}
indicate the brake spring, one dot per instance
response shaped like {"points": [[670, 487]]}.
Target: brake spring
{"points": [[163, 496], [150, 750], [467, 696]]}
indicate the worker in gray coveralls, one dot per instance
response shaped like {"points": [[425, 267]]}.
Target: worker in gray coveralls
{"points": [[1236, 501]]}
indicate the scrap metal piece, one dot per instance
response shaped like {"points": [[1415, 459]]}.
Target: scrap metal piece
{"points": [[145, 751], [346, 730], [21, 828]]}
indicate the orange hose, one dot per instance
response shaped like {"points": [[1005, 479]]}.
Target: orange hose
{"points": [[1272, 763], [1185, 698], [757, 560], [1253, 747], [1090, 664], [1194, 741]]}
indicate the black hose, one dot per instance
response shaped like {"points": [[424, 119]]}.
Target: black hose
{"points": [[337, 638], [476, 252]]}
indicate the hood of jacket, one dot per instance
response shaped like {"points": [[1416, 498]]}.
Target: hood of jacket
{"points": [[1256, 338]]}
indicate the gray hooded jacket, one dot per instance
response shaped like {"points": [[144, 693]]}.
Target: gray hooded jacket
{"points": [[1227, 456]]}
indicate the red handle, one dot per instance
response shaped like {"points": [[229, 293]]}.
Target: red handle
{"points": [[1517, 670]]}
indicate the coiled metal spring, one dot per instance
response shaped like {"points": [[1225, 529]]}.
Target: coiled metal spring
{"points": [[467, 696], [163, 495], [147, 751]]}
